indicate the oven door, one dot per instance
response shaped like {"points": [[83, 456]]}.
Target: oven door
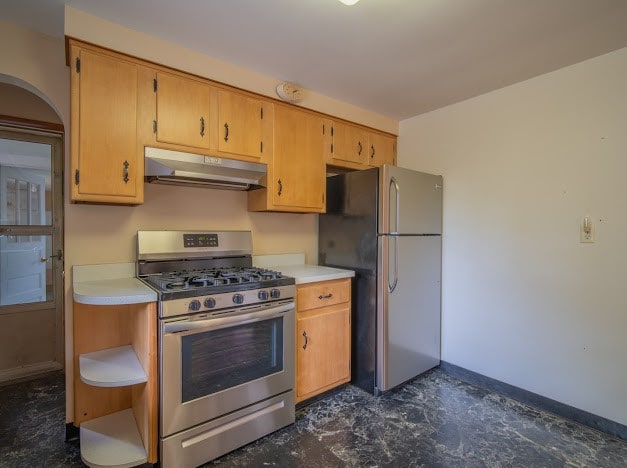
{"points": [[213, 366]]}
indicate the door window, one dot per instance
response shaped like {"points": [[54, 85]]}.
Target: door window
{"points": [[26, 220]]}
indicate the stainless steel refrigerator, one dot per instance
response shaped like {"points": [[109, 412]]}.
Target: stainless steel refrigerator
{"points": [[386, 225]]}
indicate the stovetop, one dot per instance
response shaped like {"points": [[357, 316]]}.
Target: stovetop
{"points": [[191, 264], [199, 282]]}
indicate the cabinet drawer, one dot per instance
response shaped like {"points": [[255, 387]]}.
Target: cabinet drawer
{"points": [[324, 293]]}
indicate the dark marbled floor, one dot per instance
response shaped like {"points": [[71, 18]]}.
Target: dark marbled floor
{"points": [[32, 424], [434, 421]]}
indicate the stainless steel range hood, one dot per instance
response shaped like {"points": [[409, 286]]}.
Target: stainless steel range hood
{"points": [[178, 168]]}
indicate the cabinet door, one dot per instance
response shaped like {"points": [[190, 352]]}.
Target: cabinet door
{"points": [[348, 143], [106, 164], [382, 150], [298, 180], [241, 124], [183, 107], [322, 350]]}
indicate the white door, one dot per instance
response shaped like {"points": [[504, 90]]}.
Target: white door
{"points": [[22, 258]]}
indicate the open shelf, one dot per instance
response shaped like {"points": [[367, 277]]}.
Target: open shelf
{"points": [[113, 367], [112, 440], [115, 383]]}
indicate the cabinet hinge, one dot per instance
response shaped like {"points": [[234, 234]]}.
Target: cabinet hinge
{"points": [[331, 148], [154, 126], [323, 198], [331, 130], [77, 177], [323, 130], [78, 64], [154, 85], [262, 113], [261, 147]]}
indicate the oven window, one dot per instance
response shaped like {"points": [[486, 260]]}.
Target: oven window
{"points": [[219, 359]]}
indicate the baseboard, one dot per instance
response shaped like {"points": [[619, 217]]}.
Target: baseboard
{"points": [[23, 372], [533, 399]]}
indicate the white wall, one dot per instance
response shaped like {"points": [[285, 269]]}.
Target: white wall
{"points": [[523, 301]]}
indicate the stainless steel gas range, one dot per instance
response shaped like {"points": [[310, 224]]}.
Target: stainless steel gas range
{"points": [[226, 343]]}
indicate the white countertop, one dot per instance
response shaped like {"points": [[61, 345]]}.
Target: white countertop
{"points": [[113, 292], [115, 284], [294, 265], [313, 273], [109, 284]]}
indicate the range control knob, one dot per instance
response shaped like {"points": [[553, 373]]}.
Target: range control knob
{"points": [[238, 298], [194, 305], [263, 295], [210, 303], [275, 293]]}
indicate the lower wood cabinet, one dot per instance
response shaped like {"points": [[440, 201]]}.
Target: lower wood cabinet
{"points": [[115, 383], [323, 337]]}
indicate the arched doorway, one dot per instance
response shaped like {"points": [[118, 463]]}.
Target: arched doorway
{"points": [[31, 233]]}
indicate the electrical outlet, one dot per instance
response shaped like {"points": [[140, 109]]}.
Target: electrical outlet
{"points": [[586, 231]]}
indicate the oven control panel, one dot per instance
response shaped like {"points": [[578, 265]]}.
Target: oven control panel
{"points": [[219, 303], [200, 240]]}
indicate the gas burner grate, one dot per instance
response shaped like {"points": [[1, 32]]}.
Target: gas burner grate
{"points": [[209, 278]]}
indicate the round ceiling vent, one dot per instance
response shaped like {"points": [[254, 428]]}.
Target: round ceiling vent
{"points": [[290, 92]]}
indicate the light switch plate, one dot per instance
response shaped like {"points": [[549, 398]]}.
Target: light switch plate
{"points": [[586, 237]]}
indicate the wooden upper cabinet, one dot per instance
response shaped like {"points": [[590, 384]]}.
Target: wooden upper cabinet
{"points": [[120, 104], [299, 178], [183, 109], [106, 166], [354, 147], [244, 124], [297, 175], [345, 143], [381, 150]]}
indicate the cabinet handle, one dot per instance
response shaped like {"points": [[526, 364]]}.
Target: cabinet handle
{"points": [[371, 151], [226, 132], [306, 340], [125, 178], [202, 126], [326, 296], [360, 148], [280, 187]]}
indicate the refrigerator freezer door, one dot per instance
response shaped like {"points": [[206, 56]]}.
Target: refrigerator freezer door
{"points": [[347, 233], [408, 309], [410, 202]]}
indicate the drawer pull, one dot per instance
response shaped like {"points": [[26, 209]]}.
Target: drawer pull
{"points": [[306, 340], [326, 296]]}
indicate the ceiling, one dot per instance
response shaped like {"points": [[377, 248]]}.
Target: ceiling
{"points": [[399, 58]]}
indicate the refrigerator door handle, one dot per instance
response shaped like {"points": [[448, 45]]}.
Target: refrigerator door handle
{"points": [[392, 287], [394, 183]]}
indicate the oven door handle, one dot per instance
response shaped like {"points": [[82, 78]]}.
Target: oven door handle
{"points": [[223, 322]]}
